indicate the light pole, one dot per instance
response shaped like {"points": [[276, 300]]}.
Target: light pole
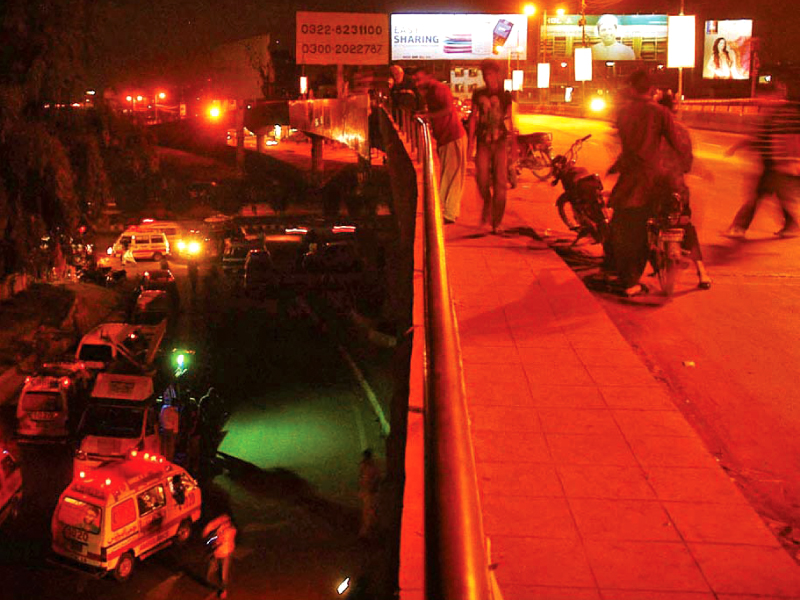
{"points": [[156, 98]]}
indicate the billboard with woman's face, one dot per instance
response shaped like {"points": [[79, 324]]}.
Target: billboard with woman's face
{"points": [[727, 49]]}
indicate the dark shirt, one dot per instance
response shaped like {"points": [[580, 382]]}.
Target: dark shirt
{"points": [[405, 95], [446, 127], [769, 140], [641, 124], [490, 109]]}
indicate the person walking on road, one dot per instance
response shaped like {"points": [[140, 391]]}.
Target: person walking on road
{"points": [[642, 124], [369, 479], [451, 142], [489, 127], [775, 141], [169, 419], [222, 536]]}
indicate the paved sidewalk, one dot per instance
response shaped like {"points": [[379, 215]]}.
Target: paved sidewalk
{"points": [[593, 484]]}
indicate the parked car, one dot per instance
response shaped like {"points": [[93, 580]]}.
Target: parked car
{"points": [[338, 256], [10, 485]]}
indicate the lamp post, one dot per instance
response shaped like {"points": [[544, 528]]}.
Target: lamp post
{"points": [[156, 98]]}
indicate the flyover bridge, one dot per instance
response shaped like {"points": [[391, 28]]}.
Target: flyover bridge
{"points": [[542, 458]]}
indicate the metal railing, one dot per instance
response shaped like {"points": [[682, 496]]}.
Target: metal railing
{"points": [[456, 561]]}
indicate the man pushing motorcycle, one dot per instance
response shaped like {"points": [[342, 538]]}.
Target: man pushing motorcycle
{"points": [[641, 125]]}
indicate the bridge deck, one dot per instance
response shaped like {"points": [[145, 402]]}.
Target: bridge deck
{"points": [[593, 484]]}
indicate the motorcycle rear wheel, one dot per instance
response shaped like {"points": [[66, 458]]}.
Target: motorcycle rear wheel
{"points": [[539, 162], [668, 266], [567, 212]]}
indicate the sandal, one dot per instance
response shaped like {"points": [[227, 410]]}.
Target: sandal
{"points": [[636, 290], [704, 284]]}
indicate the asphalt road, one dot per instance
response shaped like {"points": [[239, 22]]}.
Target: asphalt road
{"points": [[729, 354], [299, 423]]}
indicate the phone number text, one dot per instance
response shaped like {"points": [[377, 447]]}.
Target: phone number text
{"points": [[341, 48], [341, 29]]}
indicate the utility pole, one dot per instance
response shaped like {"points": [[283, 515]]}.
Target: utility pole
{"points": [[680, 70]]}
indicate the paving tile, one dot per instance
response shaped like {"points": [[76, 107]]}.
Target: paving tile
{"points": [[567, 396], [748, 569], [540, 561], [539, 337], [606, 340], [548, 356], [524, 516], [504, 418], [603, 481], [689, 484], [486, 385], [653, 566], [557, 374], [722, 524], [488, 320], [624, 376], [653, 422], [536, 592], [577, 420], [637, 397], [518, 479], [671, 451], [602, 357], [612, 519], [652, 595], [495, 355], [501, 446], [590, 449]]}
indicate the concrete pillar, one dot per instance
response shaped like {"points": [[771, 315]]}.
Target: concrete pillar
{"points": [[240, 138], [261, 142]]}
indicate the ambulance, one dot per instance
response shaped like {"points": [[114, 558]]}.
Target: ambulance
{"points": [[10, 485], [120, 417], [123, 511]]}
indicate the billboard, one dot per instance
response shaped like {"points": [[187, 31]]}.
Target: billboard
{"points": [[727, 49], [611, 37], [333, 38], [458, 36]]}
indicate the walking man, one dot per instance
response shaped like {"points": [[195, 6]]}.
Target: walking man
{"points": [[779, 174], [369, 478], [451, 141], [169, 419], [489, 127], [223, 536], [641, 125]]}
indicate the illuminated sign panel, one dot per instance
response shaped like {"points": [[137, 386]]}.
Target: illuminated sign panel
{"points": [[727, 49], [583, 64], [458, 36], [611, 37], [680, 51], [333, 38], [543, 75]]}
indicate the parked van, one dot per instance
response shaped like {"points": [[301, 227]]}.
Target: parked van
{"points": [[171, 229], [120, 417], [112, 342], [152, 245], [123, 511], [52, 401], [10, 486]]}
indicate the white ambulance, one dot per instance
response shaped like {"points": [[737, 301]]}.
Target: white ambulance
{"points": [[10, 485], [123, 511], [120, 417]]}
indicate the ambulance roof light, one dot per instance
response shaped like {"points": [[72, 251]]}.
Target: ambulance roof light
{"points": [[82, 474]]}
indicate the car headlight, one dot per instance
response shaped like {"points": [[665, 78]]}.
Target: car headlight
{"points": [[80, 454], [181, 245], [194, 247]]}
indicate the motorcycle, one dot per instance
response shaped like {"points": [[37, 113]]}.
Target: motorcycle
{"points": [[665, 235], [535, 152], [582, 206]]}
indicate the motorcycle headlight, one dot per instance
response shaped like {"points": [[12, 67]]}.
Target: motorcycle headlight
{"points": [[194, 247], [181, 245]]}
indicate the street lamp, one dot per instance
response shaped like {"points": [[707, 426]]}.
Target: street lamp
{"points": [[529, 10], [158, 96]]}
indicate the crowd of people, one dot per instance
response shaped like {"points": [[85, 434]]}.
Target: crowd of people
{"points": [[656, 155]]}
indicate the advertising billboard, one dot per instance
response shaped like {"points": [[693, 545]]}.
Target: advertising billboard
{"points": [[458, 36], [611, 37], [333, 38], [727, 49]]}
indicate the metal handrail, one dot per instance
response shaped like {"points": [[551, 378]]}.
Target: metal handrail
{"points": [[456, 564]]}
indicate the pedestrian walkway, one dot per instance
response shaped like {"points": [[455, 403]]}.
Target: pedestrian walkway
{"points": [[593, 484]]}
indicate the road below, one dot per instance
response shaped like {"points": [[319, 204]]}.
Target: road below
{"points": [[729, 354]]}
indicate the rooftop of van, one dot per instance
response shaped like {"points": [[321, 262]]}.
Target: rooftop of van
{"points": [[109, 332], [137, 388], [122, 476]]}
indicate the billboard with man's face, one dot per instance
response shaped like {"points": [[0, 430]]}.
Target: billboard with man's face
{"points": [[611, 37], [727, 49], [458, 36]]}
